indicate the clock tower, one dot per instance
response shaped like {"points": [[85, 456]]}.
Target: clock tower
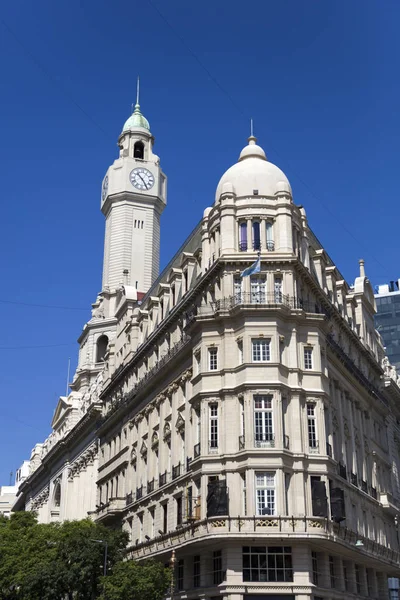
{"points": [[132, 200]]}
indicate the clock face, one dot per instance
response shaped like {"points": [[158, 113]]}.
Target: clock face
{"points": [[141, 179], [104, 188]]}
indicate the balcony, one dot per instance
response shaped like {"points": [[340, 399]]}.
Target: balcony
{"points": [[177, 471], [266, 440], [328, 449], [242, 246], [373, 492], [342, 471], [364, 486], [150, 486], [313, 447], [188, 461], [286, 442], [196, 450], [242, 442], [162, 479], [260, 297], [213, 447], [354, 479], [129, 499], [274, 528], [139, 492]]}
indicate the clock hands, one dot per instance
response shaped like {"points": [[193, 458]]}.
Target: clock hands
{"points": [[143, 181]]}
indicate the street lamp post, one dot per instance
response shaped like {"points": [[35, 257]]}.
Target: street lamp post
{"points": [[172, 563], [105, 554]]}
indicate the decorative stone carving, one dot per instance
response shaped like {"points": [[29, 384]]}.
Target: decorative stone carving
{"points": [[41, 498], [180, 423], [167, 431]]}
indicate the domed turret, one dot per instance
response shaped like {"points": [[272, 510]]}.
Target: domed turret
{"points": [[136, 120], [253, 175]]}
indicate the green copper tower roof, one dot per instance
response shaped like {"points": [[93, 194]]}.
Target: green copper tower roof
{"points": [[136, 119]]}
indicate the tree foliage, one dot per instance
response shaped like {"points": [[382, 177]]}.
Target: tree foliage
{"points": [[131, 580], [60, 561]]}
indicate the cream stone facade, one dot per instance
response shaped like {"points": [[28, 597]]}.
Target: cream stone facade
{"points": [[250, 423]]}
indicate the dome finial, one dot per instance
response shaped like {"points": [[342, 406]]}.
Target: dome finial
{"points": [[252, 140], [136, 119]]}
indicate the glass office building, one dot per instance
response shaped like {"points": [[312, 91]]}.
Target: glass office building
{"points": [[387, 319]]}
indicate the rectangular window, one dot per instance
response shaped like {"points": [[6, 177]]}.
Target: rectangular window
{"points": [[265, 494], [308, 364], [257, 290], [213, 408], [332, 571], [314, 557], [218, 575], [179, 510], [140, 517], [278, 294], [263, 421], [237, 290], [358, 578], [243, 236], [261, 350], [270, 241], [165, 517], [179, 575], [152, 520], [256, 235], [196, 570], [271, 563], [312, 427], [243, 475], [213, 359]]}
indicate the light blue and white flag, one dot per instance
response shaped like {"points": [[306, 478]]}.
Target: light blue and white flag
{"points": [[254, 268]]}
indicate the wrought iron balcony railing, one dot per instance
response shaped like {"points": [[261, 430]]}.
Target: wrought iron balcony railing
{"points": [[150, 486], [139, 492], [177, 471], [162, 479], [342, 471], [242, 442], [364, 486], [265, 440], [354, 479], [286, 442], [328, 449], [313, 447], [196, 450], [268, 299]]}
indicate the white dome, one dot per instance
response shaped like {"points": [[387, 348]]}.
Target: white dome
{"points": [[253, 175]]}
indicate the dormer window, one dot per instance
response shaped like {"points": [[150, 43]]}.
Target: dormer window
{"points": [[138, 150]]}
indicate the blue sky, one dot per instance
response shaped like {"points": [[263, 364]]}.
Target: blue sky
{"points": [[318, 78]]}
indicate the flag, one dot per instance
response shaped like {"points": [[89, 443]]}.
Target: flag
{"points": [[254, 268]]}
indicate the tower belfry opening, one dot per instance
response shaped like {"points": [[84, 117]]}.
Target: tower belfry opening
{"points": [[138, 150]]}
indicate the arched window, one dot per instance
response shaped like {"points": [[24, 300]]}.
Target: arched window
{"points": [[57, 494], [101, 348], [138, 150]]}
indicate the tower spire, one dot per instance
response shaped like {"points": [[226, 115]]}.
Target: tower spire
{"points": [[137, 91]]}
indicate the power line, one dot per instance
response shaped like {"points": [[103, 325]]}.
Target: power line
{"points": [[34, 347], [239, 109], [51, 77], [42, 305]]}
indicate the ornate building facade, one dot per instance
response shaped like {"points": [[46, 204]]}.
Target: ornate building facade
{"points": [[248, 422]]}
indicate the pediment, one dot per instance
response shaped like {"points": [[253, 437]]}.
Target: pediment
{"points": [[63, 408]]}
